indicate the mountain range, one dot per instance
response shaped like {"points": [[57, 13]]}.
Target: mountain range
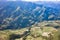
{"points": [[20, 14]]}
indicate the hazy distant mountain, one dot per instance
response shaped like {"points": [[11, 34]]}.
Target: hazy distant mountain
{"points": [[23, 14]]}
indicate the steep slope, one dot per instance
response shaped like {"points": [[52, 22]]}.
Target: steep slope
{"points": [[21, 14]]}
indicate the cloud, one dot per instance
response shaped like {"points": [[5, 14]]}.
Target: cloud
{"points": [[30, 0], [11, 0], [40, 0]]}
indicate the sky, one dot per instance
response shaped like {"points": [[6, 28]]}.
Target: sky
{"points": [[30, 0]]}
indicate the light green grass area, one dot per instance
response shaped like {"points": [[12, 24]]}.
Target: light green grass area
{"points": [[34, 34], [42, 31]]}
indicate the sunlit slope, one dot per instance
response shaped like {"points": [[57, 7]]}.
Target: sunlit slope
{"points": [[46, 30]]}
